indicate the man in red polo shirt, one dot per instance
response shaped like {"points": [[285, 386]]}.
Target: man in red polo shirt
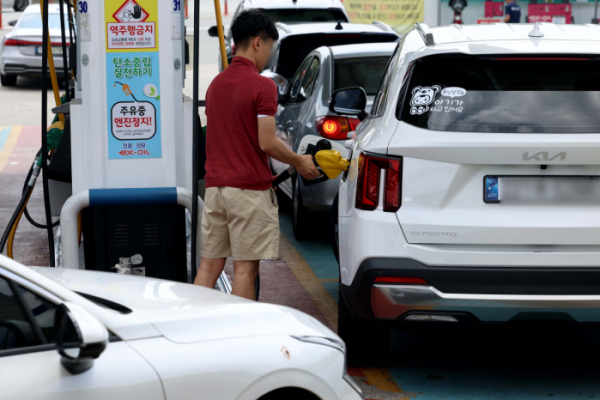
{"points": [[240, 216]]}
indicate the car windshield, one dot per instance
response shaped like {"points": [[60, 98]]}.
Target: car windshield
{"points": [[303, 15], [364, 72], [34, 21], [293, 49], [504, 94]]}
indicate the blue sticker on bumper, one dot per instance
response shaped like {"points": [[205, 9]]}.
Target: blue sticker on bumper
{"points": [[491, 189]]}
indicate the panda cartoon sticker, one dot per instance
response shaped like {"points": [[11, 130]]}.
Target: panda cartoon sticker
{"points": [[422, 97]]}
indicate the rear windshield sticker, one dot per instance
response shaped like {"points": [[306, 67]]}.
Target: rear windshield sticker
{"points": [[447, 105], [454, 92], [422, 97]]}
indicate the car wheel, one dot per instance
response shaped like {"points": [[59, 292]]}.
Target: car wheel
{"points": [[367, 342], [301, 218], [8, 80], [20, 5], [334, 230]]}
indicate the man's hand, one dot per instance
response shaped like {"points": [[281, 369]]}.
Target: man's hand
{"points": [[275, 148], [306, 167]]}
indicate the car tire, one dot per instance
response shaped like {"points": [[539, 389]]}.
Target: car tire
{"points": [[8, 80], [20, 5], [334, 229], [367, 342], [301, 218]]}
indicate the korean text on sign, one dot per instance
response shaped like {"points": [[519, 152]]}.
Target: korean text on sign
{"points": [[140, 35]]}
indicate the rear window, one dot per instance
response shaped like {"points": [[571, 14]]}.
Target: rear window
{"points": [[504, 94], [34, 21], [299, 16], [294, 48], [363, 72]]}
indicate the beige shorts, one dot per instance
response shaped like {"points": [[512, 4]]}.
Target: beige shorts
{"points": [[240, 223]]}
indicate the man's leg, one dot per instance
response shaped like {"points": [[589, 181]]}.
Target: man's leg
{"points": [[244, 282], [209, 271]]}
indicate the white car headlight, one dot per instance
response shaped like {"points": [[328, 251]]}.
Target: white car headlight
{"points": [[338, 345]]}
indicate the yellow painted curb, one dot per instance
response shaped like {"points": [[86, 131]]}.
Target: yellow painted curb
{"points": [[382, 379]]}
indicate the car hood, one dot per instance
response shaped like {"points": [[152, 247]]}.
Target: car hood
{"points": [[187, 313]]}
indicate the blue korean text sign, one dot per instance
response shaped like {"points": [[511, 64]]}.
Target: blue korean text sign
{"points": [[133, 80]]}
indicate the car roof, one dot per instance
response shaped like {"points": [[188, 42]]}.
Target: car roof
{"points": [[508, 32], [291, 4], [363, 50], [328, 27], [35, 9]]}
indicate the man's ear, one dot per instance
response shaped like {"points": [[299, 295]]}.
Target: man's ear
{"points": [[256, 43]]}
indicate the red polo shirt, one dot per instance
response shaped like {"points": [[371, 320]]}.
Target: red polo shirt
{"points": [[234, 100]]}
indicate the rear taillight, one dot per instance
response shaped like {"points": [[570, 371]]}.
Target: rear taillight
{"points": [[369, 176], [336, 128], [11, 42], [233, 49], [15, 42]]}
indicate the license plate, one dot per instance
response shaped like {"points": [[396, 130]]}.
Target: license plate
{"points": [[549, 189], [55, 50]]}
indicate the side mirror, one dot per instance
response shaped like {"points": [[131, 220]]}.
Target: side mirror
{"points": [[80, 337], [279, 80], [12, 23], [213, 31], [349, 102]]}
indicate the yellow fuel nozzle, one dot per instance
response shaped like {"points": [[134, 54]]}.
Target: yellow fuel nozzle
{"points": [[331, 162]]}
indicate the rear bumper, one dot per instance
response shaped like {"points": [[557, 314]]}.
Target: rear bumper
{"points": [[27, 70], [475, 294]]}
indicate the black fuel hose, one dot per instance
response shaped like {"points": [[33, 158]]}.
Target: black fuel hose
{"points": [[26, 212], [285, 175], [45, 36], [13, 219]]}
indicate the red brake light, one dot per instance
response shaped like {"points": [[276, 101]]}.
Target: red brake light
{"points": [[369, 176], [332, 127], [11, 42], [15, 42], [233, 49], [353, 123], [394, 279]]}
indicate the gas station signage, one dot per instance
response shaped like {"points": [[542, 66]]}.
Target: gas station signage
{"points": [[133, 79]]}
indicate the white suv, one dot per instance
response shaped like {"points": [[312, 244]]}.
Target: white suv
{"points": [[473, 193]]}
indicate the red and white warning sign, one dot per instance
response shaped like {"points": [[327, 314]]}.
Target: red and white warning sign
{"points": [[130, 11], [132, 31]]}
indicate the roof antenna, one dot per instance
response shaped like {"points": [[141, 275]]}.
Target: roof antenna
{"points": [[536, 32], [339, 26]]}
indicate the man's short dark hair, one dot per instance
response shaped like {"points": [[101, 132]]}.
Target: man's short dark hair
{"points": [[250, 24]]}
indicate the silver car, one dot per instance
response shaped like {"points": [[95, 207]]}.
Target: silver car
{"points": [[304, 118], [21, 48]]}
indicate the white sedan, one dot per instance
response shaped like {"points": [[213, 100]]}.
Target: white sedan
{"points": [[70, 334]]}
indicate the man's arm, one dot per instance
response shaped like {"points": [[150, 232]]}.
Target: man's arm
{"points": [[507, 18], [506, 14], [275, 148]]}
